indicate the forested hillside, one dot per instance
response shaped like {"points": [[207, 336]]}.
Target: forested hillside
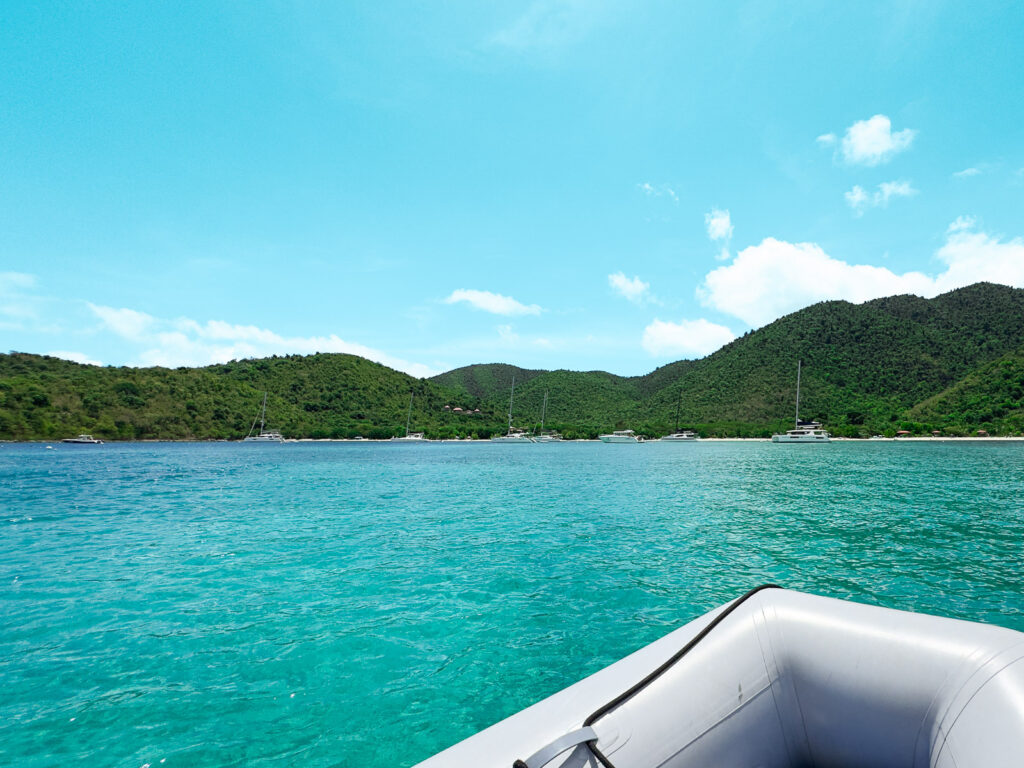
{"points": [[953, 363]]}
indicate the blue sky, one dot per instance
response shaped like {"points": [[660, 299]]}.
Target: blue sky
{"points": [[556, 183]]}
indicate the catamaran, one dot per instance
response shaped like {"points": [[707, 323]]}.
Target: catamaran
{"points": [[803, 431], [686, 436], [264, 435], [513, 435], [410, 437]]}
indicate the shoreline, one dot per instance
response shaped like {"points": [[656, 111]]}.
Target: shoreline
{"points": [[911, 439]]}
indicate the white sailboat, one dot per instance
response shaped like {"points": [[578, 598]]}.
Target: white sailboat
{"points": [[545, 437], [513, 435], [803, 431], [686, 436], [410, 437], [264, 435]]}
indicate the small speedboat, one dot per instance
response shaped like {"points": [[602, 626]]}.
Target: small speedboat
{"points": [[781, 679], [82, 440]]}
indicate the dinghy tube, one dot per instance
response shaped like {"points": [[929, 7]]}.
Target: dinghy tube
{"points": [[782, 679]]}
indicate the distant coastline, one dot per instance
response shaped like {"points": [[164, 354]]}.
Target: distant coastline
{"points": [[953, 364]]}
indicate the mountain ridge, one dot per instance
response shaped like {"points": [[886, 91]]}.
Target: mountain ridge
{"points": [[899, 362]]}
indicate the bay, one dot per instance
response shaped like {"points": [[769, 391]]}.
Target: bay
{"points": [[333, 604]]}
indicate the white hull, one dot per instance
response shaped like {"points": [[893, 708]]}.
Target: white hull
{"points": [[800, 438], [267, 438], [82, 440], [679, 437], [787, 679], [413, 438], [513, 439], [617, 439]]}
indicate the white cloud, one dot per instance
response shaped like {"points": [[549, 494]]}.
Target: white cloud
{"points": [[634, 289], [858, 199], [494, 303], [127, 323], [826, 139], [185, 342], [966, 173], [719, 224], [659, 190], [775, 277], [689, 338], [75, 357], [872, 141], [719, 227], [960, 223]]}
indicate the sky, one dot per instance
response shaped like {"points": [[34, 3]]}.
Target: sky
{"points": [[549, 183]]}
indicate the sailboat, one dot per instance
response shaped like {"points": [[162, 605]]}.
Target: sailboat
{"points": [[803, 431], [513, 435], [686, 436], [410, 437], [264, 435], [545, 437]]}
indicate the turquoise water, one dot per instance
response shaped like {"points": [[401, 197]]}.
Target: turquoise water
{"points": [[369, 604]]}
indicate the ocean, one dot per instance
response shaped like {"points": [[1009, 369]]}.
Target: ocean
{"points": [[368, 604]]}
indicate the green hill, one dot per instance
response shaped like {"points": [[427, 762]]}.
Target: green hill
{"points": [[991, 397], [952, 363]]}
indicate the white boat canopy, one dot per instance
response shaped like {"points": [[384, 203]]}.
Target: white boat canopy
{"points": [[781, 679]]}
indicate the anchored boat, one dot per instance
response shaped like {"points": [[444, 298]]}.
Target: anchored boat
{"points": [[803, 431], [513, 435], [264, 435], [621, 436], [781, 679], [82, 440], [410, 437]]}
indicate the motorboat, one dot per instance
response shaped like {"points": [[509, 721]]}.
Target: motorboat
{"points": [[621, 436], [803, 431], [686, 436], [264, 435], [82, 440], [781, 679]]}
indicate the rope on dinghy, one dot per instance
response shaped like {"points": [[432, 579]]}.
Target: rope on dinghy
{"points": [[625, 696]]}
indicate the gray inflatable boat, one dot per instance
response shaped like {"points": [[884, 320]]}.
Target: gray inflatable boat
{"points": [[782, 679]]}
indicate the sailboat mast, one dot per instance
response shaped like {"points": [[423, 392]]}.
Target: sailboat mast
{"points": [[510, 397], [796, 423], [408, 419], [543, 410], [263, 413]]}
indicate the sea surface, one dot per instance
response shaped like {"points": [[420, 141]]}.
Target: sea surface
{"points": [[367, 605]]}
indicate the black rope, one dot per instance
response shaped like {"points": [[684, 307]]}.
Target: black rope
{"points": [[622, 698]]}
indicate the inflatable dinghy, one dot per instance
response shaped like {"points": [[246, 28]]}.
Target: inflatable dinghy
{"points": [[781, 679]]}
